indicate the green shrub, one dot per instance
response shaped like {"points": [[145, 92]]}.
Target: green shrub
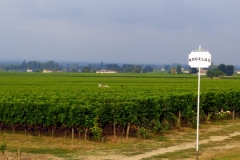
{"points": [[3, 147]]}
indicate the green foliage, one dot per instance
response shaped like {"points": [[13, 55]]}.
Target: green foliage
{"points": [[222, 68], [75, 100], [86, 70], [157, 126], [96, 131], [3, 147], [129, 68], [179, 70], [221, 116], [142, 132], [164, 126], [34, 65], [190, 115], [214, 73], [147, 69], [161, 127], [173, 70], [229, 70], [113, 67]]}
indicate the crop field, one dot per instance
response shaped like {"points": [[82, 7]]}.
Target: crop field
{"points": [[125, 102], [137, 107]]}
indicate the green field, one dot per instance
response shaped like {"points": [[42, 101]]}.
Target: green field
{"points": [[120, 84], [146, 101]]}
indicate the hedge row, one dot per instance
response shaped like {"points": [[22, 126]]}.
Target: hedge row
{"points": [[154, 113]]}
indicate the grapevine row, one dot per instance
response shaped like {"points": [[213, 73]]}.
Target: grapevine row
{"points": [[150, 112]]}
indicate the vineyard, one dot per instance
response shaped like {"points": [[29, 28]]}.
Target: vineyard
{"points": [[132, 103]]}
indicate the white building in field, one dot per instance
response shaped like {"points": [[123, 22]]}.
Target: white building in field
{"points": [[203, 72], [29, 70], [47, 71], [106, 71]]}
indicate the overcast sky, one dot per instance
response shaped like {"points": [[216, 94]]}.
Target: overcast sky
{"points": [[119, 31]]}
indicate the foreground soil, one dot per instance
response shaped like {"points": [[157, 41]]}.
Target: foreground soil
{"points": [[208, 153]]}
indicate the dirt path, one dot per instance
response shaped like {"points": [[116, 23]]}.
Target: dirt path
{"points": [[170, 149], [27, 156], [181, 147]]}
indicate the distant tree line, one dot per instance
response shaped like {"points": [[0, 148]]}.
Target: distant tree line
{"points": [[75, 67], [33, 65], [221, 70], [214, 71], [127, 68]]}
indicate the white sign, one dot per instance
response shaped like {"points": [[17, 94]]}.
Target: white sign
{"points": [[199, 58]]}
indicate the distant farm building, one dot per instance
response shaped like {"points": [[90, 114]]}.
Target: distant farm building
{"points": [[29, 70], [106, 71], [203, 72], [47, 71]]}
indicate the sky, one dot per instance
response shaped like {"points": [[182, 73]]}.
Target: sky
{"points": [[119, 31]]}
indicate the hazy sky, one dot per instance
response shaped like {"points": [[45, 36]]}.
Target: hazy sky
{"points": [[120, 31]]}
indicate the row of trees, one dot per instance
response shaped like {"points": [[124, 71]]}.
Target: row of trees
{"points": [[75, 67], [127, 68], [214, 71], [175, 69], [34, 65]]}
